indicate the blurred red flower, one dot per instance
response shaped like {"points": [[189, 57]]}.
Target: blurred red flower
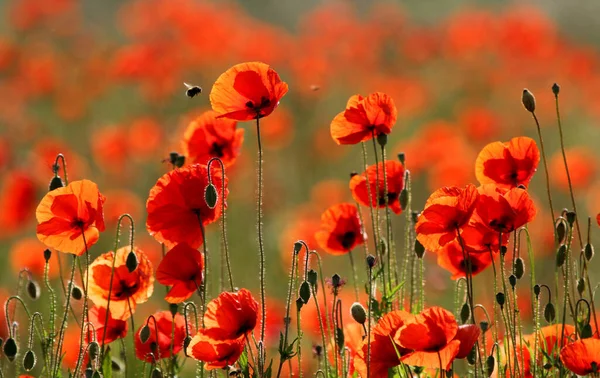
{"points": [[161, 343], [183, 269], [340, 230], [115, 328], [374, 175], [583, 166], [17, 201], [29, 253], [582, 357], [451, 258]]}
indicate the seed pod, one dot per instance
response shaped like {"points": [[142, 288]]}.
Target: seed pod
{"points": [[537, 290], [472, 356], [519, 268], [297, 247], [549, 312], [403, 199], [47, 255], [419, 249], [555, 89], [484, 326], [580, 286], [93, 350], [571, 216], [465, 313], [305, 291], [490, 362], [10, 349], [561, 231], [500, 299], [299, 304], [370, 261], [173, 308], [382, 139], [312, 277], [144, 334], [132, 261], [512, 280], [402, 157], [336, 280], [211, 196], [358, 312], [586, 331], [561, 255], [528, 100], [33, 289], [55, 183], [588, 251], [76, 292], [29, 360]]}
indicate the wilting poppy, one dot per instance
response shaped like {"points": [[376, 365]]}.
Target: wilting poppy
{"points": [[385, 351], [247, 91], [582, 357], [216, 354], [446, 210], [68, 215], [114, 329], [231, 315], [209, 136], [159, 346], [430, 335], [128, 288], [395, 183], [504, 211], [451, 258], [176, 205], [341, 230], [183, 269], [508, 165], [364, 118]]}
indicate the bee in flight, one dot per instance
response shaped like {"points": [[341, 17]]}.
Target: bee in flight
{"points": [[192, 90]]}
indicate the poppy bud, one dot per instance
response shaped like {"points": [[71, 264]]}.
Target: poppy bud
{"points": [[519, 268], [594, 367], [180, 161], [586, 331], [132, 261], [561, 255], [418, 370], [76, 293], [55, 183], [484, 326], [317, 350], [10, 349], [339, 338], [419, 249], [571, 215], [449, 373], [503, 250], [490, 362], [173, 157], [580, 286], [382, 139], [336, 280], [500, 299], [403, 199], [312, 277], [29, 360], [561, 232], [186, 344], [415, 216], [211, 196], [549, 312], [358, 312], [33, 289], [536, 290], [555, 89], [96, 374], [116, 365], [547, 366], [472, 356], [305, 292], [174, 308], [144, 334], [402, 157], [156, 373], [371, 261], [88, 372], [512, 280], [93, 350], [297, 247], [465, 313], [299, 304], [528, 100], [47, 254], [588, 251]]}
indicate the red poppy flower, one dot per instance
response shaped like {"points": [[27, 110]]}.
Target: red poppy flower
{"points": [[217, 354], [582, 357], [548, 338], [384, 349], [67, 213], [247, 91], [183, 269], [364, 118], [479, 238], [209, 136], [128, 288], [446, 210], [176, 205], [508, 165], [159, 346], [504, 211], [395, 183], [468, 335], [17, 201], [231, 315], [451, 258], [341, 230], [115, 328]]}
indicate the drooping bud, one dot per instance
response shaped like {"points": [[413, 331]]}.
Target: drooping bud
{"points": [[403, 199], [489, 365], [29, 360], [586, 331], [305, 291], [465, 313], [519, 268], [186, 344], [561, 231], [93, 350], [580, 286], [55, 183], [588, 251], [561, 255], [549, 312], [33, 289], [299, 304], [358, 312], [528, 100], [144, 334], [419, 249], [76, 292], [472, 356], [211, 196], [132, 261], [10, 349]]}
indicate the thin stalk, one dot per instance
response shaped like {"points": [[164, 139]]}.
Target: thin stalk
{"points": [[63, 325], [288, 304], [84, 316], [539, 130], [388, 221], [354, 274], [260, 231], [407, 235], [370, 282]]}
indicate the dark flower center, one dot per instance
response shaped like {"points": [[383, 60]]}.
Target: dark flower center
{"points": [[391, 197], [347, 240], [216, 150]]}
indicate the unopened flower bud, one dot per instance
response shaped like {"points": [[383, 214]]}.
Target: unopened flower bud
{"points": [[93, 350], [305, 291], [297, 247], [512, 280], [561, 255], [76, 292], [419, 249], [156, 373], [536, 290], [132, 261], [370, 261], [580, 286], [402, 157], [519, 268], [555, 89], [55, 183], [382, 139], [358, 312], [500, 299], [211, 196], [33, 289], [173, 308], [312, 277], [588, 251], [10, 349], [47, 254], [465, 313], [528, 100], [571, 217], [144, 334], [29, 360], [549, 312]]}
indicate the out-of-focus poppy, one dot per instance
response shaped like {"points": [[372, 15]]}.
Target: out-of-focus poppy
{"points": [[583, 166], [110, 149], [231, 315], [549, 339], [247, 91], [163, 344], [395, 183], [145, 137], [364, 118], [217, 354], [68, 215], [582, 357], [29, 253], [183, 269], [508, 165], [278, 130], [451, 258], [176, 205], [17, 201], [446, 210], [209, 136], [71, 347], [341, 230], [128, 288], [385, 352], [504, 211], [121, 202], [115, 328]]}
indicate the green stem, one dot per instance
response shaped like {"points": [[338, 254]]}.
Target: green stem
{"points": [[259, 221]]}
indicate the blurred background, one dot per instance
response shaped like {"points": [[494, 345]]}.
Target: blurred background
{"points": [[102, 83]]}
